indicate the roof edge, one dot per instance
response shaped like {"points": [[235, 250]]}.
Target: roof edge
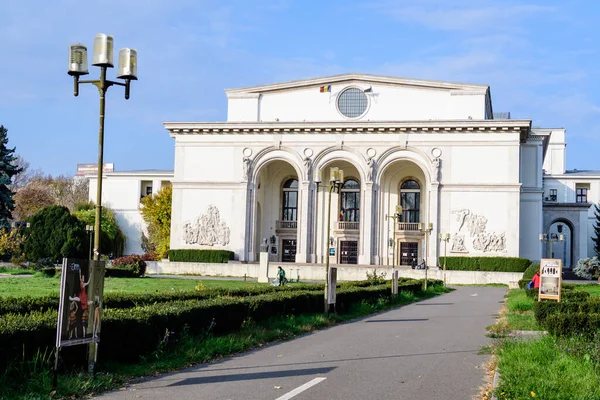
{"points": [[358, 77]]}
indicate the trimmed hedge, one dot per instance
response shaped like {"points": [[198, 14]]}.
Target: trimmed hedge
{"points": [[493, 264], [132, 332], [570, 324], [25, 305], [573, 302], [204, 256]]}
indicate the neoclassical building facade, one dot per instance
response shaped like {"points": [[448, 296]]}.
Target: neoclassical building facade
{"points": [[419, 158]]}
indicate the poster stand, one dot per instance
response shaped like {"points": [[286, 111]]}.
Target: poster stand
{"points": [[550, 279]]}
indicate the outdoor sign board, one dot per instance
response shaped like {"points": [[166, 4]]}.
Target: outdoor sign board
{"points": [[81, 302], [550, 278]]}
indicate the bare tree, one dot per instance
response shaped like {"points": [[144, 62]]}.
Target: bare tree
{"points": [[69, 191], [26, 175]]}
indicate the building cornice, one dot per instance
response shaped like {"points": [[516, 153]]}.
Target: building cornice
{"points": [[353, 127], [366, 78]]}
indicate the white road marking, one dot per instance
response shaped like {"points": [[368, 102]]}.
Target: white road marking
{"points": [[301, 389]]}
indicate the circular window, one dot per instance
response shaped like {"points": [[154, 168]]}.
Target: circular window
{"points": [[352, 102]]}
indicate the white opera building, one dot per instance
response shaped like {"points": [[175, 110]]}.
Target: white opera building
{"points": [[412, 160]]}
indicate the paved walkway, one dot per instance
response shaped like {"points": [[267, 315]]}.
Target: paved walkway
{"points": [[426, 350]]}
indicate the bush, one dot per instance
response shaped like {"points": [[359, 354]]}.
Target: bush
{"points": [[134, 263], [588, 268], [570, 324], [112, 238], [494, 264], [572, 304], [530, 271], [205, 256], [55, 234]]}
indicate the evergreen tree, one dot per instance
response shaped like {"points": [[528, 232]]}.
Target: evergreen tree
{"points": [[597, 231], [8, 169]]}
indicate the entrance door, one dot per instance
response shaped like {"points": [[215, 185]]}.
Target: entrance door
{"points": [[289, 250], [348, 252], [409, 253]]}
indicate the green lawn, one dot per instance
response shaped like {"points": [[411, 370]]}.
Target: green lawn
{"points": [[40, 286], [593, 289], [520, 311], [15, 271]]}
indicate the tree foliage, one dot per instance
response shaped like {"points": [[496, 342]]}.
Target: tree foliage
{"points": [[588, 268], [156, 212], [597, 231], [8, 170], [112, 239], [32, 198], [11, 245], [55, 233]]}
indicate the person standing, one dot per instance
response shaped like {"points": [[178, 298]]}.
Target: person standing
{"points": [[281, 276]]}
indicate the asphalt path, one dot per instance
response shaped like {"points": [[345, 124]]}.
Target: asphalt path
{"points": [[427, 350]]}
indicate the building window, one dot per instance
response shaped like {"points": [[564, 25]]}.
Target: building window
{"points": [[581, 195], [553, 195], [410, 200], [290, 200], [148, 190], [350, 201], [352, 102]]}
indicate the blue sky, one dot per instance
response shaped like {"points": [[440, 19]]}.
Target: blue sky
{"points": [[540, 58]]}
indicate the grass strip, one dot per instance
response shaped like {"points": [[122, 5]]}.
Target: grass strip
{"points": [[543, 369], [16, 271], [33, 379]]}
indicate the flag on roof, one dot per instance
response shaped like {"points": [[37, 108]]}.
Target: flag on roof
{"points": [[324, 89]]}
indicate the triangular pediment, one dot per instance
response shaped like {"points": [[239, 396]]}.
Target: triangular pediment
{"points": [[357, 78]]}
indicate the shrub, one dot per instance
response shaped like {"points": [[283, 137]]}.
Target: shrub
{"points": [[494, 264], [206, 256], [133, 263], [55, 234], [530, 271], [588, 268], [570, 324], [112, 238], [543, 309]]}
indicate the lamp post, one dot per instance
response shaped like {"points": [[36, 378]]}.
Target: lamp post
{"points": [[444, 238], [395, 216], [427, 232], [127, 70], [90, 231], [551, 238], [336, 177]]}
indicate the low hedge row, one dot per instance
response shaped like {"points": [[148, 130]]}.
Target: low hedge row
{"points": [[494, 264], [205, 256], [571, 324], [130, 333], [24, 305], [574, 302]]}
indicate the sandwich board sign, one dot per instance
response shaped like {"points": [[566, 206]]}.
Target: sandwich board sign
{"points": [[81, 302], [550, 278]]}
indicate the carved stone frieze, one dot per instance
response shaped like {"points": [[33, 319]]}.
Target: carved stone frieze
{"points": [[475, 225], [207, 229]]}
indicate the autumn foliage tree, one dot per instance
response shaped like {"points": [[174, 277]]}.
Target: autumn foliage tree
{"points": [[156, 212]]}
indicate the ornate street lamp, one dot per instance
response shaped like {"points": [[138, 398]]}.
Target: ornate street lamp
{"points": [[127, 70], [444, 238], [336, 178]]}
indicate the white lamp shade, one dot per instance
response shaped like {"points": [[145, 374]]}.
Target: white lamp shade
{"points": [[127, 64], [78, 60], [103, 51], [341, 176]]}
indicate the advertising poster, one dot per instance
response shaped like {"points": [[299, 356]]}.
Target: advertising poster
{"points": [[550, 278], [81, 302]]}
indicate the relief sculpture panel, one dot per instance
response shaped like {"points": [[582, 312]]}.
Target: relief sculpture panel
{"points": [[207, 229], [476, 227]]}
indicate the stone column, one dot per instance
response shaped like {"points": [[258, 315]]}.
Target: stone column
{"points": [[366, 225], [434, 217], [303, 235]]}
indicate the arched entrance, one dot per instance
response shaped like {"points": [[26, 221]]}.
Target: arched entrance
{"points": [[343, 241], [277, 211], [562, 250], [402, 239]]}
